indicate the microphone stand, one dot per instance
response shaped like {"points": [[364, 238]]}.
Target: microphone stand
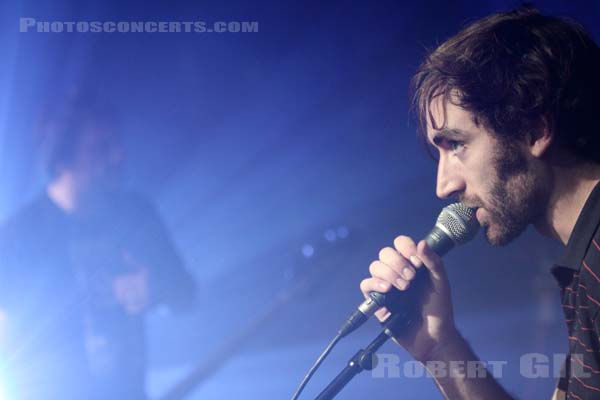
{"points": [[366, 359]]}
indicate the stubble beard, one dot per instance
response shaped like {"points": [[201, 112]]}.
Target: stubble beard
{"points": [[518, 196]]}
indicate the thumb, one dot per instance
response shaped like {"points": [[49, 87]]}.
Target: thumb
{"points": [[432, 262]]}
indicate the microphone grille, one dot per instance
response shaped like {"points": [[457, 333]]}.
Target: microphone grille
{"points": [[459, 221]]}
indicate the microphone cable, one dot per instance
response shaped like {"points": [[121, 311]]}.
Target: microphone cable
{"points": [[316, 365]]}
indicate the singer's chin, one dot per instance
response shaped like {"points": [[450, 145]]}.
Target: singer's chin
{"points": [[501, 233]]}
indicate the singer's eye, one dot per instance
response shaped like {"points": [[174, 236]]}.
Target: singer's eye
{"points": [[455, 145]]}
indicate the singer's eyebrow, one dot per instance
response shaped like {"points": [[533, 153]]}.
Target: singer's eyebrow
{"points": [[448, 134]]}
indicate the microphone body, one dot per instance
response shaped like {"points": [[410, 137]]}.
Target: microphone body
{"points": [[455, 225]]}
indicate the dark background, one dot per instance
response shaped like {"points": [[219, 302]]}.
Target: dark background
{"points": [[253, 145]]}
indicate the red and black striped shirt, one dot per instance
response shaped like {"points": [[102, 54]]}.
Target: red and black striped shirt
{"points": [[578, 274]]}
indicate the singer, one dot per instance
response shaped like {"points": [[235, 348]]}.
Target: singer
{"points": [[508, 106]]}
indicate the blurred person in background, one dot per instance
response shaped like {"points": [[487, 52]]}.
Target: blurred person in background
{"points": [[80, 265]]}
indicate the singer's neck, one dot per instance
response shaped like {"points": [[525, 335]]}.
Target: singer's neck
{"points": [[571, 189]]}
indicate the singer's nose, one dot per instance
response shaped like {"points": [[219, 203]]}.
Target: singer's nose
{"points": [[449, 181]]}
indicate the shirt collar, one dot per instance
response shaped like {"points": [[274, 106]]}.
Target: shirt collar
{"points": [[583, 232]]}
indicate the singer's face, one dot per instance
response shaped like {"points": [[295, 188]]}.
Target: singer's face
{"points": [[506, 184]]}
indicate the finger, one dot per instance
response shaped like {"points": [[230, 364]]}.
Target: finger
{"points": [[382, 271], [374, 285], [397, 262], [382, 314], [432, 261], [407, 248]]}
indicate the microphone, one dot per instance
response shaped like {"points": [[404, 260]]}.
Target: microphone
{"points": [[455, 225]]}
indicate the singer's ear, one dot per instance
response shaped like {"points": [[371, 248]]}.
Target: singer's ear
{"points": [[540, 138]]}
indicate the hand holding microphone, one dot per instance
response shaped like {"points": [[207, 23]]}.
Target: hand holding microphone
{"points": [[398, 268], [410, 265]]}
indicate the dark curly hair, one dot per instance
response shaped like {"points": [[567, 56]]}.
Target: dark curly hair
{"points": [[62, 127], [513, 69]]}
